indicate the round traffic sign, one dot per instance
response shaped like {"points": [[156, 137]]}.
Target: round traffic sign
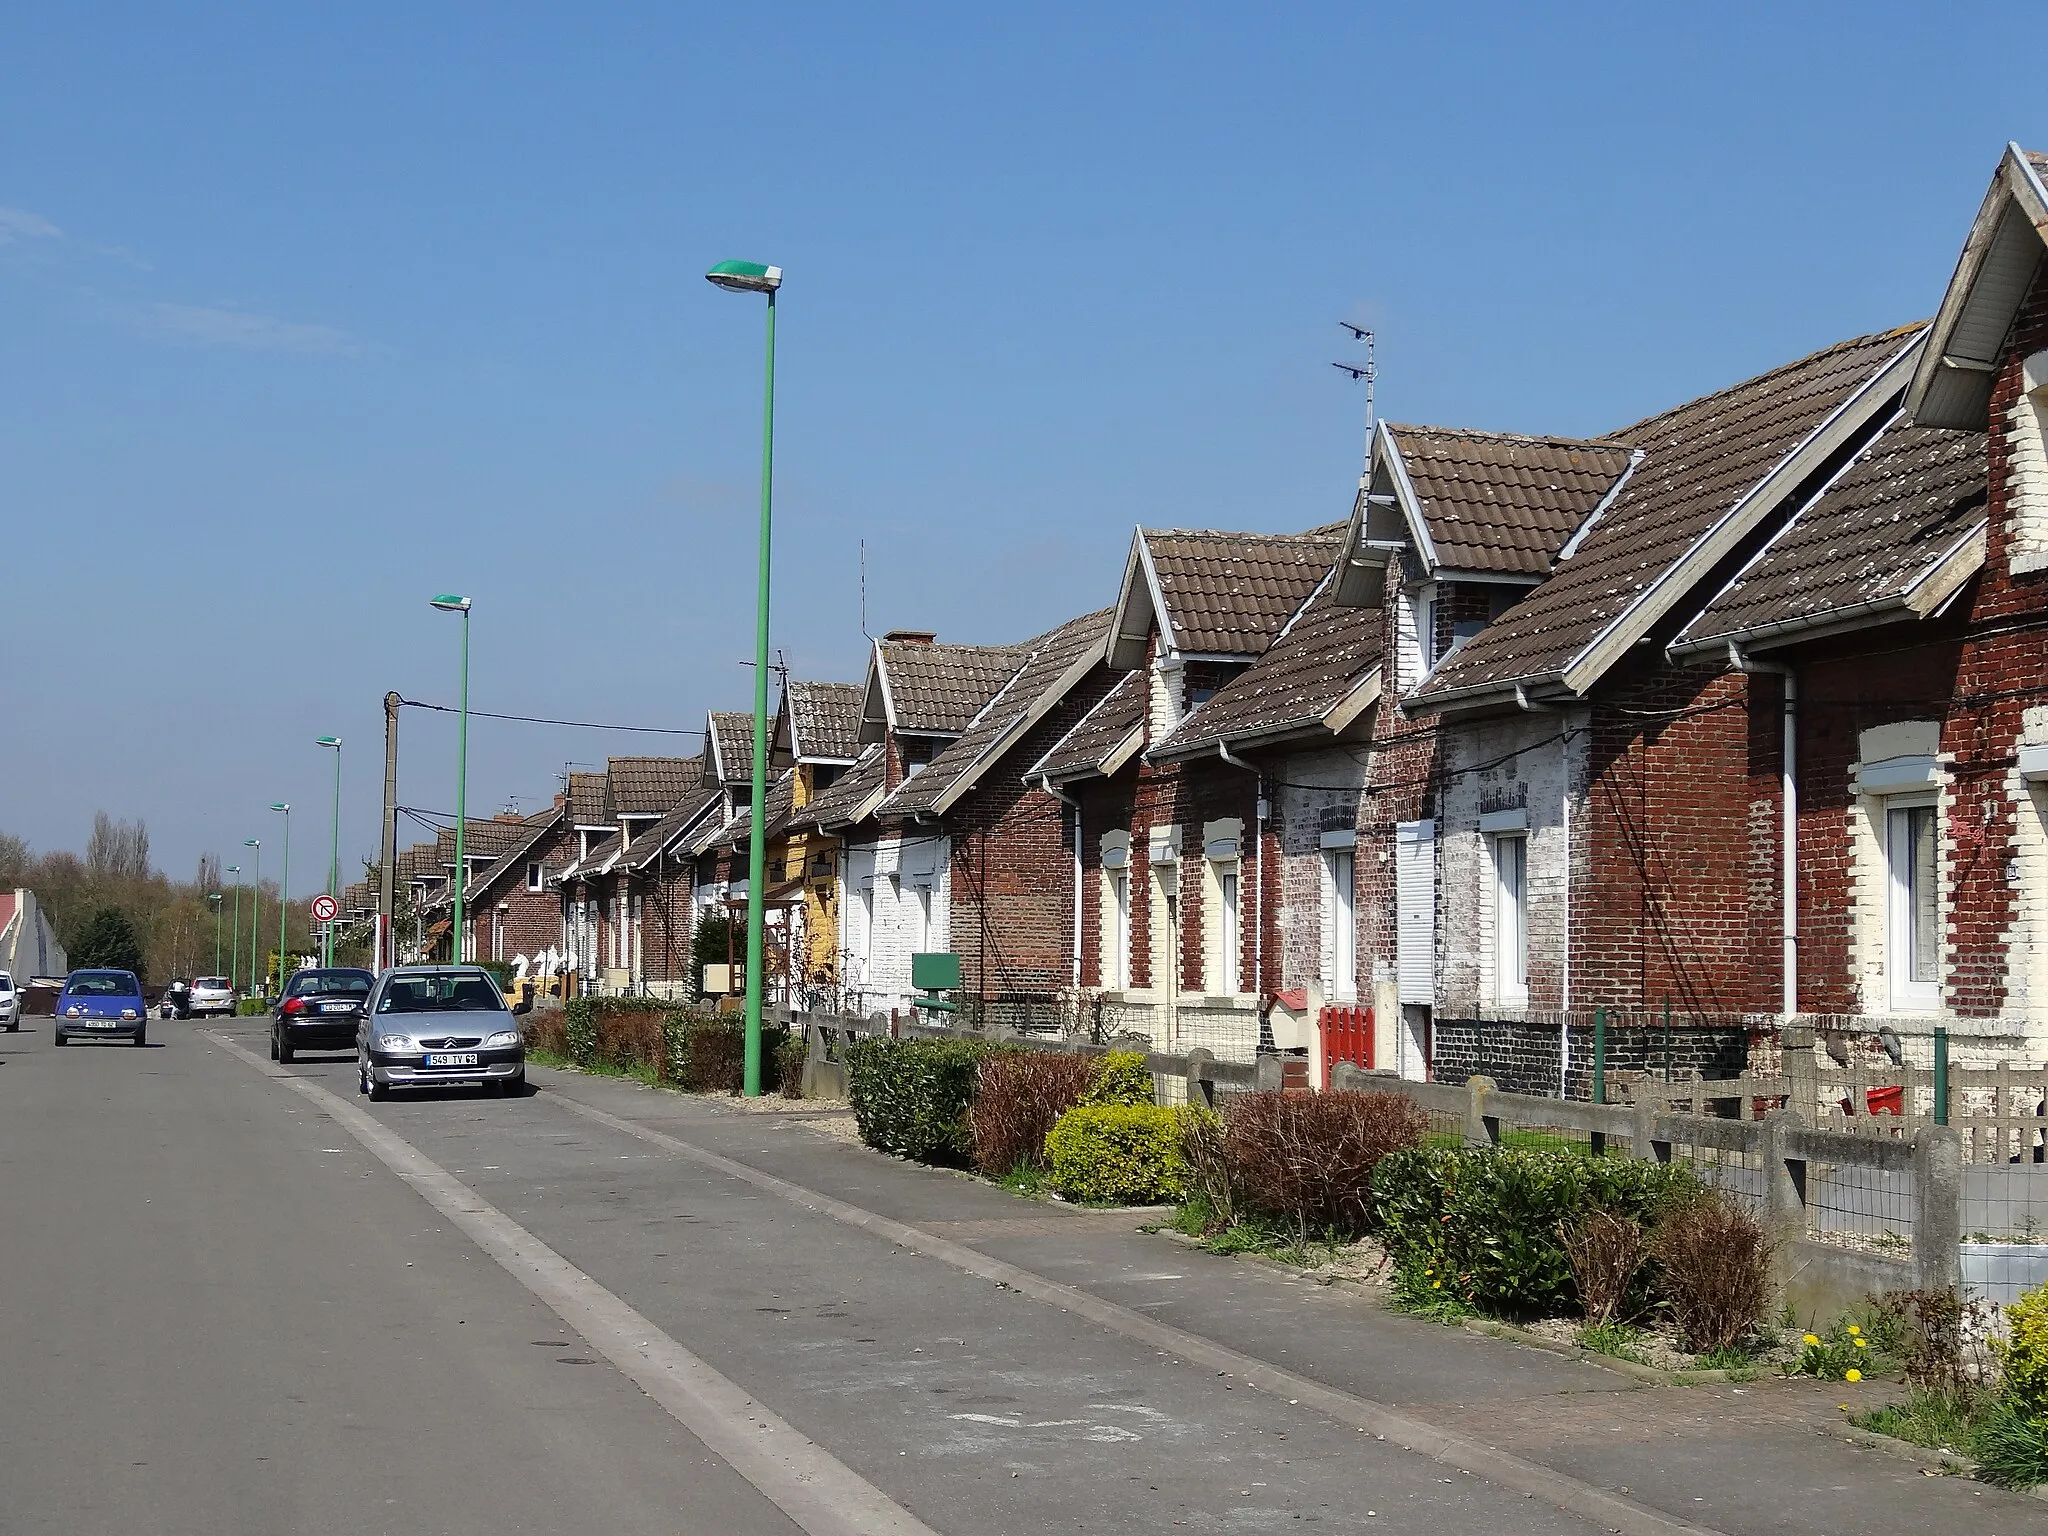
{"points": [[324, 908]]}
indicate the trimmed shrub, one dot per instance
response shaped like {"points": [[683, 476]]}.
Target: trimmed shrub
{"points": [[632, 1042], [1308, 1159], [791, 1051], [1118, 1154], [1484, 1224], [2023, 1353], [910, 1097], [1606, 1253], [1714, 1268], [715, 1059], [1121, 1077], [1019, 1097], [580, 1031], [546, 1031], [1212, 1196]]}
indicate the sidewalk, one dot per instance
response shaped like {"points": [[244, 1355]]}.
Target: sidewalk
{"points": [[1746, 1460]]}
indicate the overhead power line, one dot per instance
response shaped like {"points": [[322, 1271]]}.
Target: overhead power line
{"points": [[583, 725]]}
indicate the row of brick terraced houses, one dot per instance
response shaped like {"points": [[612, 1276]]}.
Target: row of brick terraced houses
{"points": [[1740, 711]]}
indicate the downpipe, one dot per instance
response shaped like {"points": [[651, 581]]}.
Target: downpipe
{"points": [[1788, 831]]}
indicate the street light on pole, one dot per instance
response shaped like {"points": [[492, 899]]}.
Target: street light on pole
{"points": [[255, 903], [448, 602], [753, 277], [284, 890], [234, 932], [213, 901], [334, 856]]}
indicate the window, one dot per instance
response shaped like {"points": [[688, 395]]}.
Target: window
{"points": [[1116, 955], [924, 918], [533, 877], [1511, 918], [1913, 925], [1340, 960], [1228, 937]]}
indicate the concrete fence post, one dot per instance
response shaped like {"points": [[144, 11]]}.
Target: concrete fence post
{"points": [[1482, 1129], [1200, 1090], [1784, 1197], [1938, 1208], [1346, 1077], [1272, 1074]]}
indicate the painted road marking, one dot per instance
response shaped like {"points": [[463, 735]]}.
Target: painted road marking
{"points": [[823, 1495]]}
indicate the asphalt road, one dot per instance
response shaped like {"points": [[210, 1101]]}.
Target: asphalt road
{"points": [[239, 1298]]}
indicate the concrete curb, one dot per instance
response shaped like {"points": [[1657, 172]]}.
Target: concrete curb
{"points": [[1947, 1462]]}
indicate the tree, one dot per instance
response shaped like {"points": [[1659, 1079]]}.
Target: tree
{"points": [[715, 931], [110, 941], [117, 850], [15, 859], [208, 878]]}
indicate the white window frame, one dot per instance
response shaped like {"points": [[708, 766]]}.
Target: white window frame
{"points": [[1116, 949], [533, 876], [1510, 859], [1340, 962], [1907, 992], [1226, 975]]}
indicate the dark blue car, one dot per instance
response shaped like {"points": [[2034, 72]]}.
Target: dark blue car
{"points": [[102, 1005]]}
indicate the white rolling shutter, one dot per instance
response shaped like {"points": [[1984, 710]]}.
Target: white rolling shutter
{"points": [[1415, 910]]}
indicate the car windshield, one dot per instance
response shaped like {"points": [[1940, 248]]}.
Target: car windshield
{"points": [[6, 982], [433, 994], [330, 984], [105, 984]]}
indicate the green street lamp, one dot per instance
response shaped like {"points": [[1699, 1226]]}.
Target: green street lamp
{"points": [[334, 856], [448, 602], [213, 901], [234, 932], [284, 889], [255, 903], [753, 277]]}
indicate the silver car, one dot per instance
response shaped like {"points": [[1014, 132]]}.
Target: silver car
{"points": [[434, 1025], [10, 1004], [210, 994]]}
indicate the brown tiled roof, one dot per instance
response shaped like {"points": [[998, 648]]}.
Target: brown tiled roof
{"points": [[836, 803], [590, 800], [1326, 653], [824, 721], [650, 786], [682, 817], [1910, 500], [938, 689], [534, 830], [1084, 749], [601, 848], [776, 803], [1228, 594], [1035, 687], [1700, 461], [732, 741], [418, 860], [358, 898], [1497, 502], [480, 839]]}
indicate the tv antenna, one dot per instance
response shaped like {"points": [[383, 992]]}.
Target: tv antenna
{"points": [[1365, 372]]}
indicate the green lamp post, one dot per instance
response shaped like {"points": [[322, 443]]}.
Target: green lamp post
{"points": [[284, 890], [448, 602], [213, 901], [334, 854], [255, 903], [234, 931], [753, 277]]}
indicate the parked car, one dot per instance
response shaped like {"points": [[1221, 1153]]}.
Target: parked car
{"points": [[102, 1005], [176, 1003], [10, 1004], [429, 1025], [210, 995], [321, 1010]]}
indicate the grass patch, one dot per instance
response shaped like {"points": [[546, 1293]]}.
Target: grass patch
{"points": [[645, 1075], [1617, 1340], [1027, 1181], [1941, 1421]]}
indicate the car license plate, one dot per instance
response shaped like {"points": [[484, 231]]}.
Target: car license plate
{"points": [[337, 1007], [452, 1059]]}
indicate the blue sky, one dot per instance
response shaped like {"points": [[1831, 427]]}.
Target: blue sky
{"points": [[309, 313]]}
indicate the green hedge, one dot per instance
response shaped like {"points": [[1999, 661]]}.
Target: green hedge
{"points": [[1118, 1154], [910, 1097], [1481, 1226], [1122, 1078]]}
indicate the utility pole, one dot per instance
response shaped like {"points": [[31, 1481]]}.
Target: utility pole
{"points": [[387, 874]]}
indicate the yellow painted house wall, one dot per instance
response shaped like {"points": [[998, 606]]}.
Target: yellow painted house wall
{"points": [[815, 856]]}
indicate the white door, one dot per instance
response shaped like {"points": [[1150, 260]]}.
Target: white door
{"points": [[1415, 910]]}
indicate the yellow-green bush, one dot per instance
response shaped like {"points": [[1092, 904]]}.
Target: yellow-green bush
{"points": [[1121, 1077], [1118, 1154], [2023, 1356]]}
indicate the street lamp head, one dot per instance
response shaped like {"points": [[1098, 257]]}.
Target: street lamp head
{"points": [[745, 277], [252, 842], [281, 805], [449, 602], [234, 869], [326, 741]]}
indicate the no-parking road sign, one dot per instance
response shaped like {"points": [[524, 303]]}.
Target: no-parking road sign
{"points": [[324, 908]]}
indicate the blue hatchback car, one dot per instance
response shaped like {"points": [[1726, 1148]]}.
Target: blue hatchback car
{"points": [[102, 1005]]}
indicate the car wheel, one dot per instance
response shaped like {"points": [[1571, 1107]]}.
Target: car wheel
{"points": [[142, 1037], [62, 1038], [284, 1052], [273, 1045], [378, 1091]]}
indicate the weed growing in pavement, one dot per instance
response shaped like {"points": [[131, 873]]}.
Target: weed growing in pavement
{"points": [[1841, 1354], [1618, 1340], [1025, 1180], [2011, 1445], [1942, 1421]]}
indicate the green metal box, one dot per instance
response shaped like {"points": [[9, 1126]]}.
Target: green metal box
{"points": [[935, 973]]}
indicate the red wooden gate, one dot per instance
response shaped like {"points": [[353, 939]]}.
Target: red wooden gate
{"points": [[1347, 1036]]}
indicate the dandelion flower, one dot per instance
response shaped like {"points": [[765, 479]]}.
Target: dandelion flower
{"points": [[1854, 1330], [1852, 1374], [1436, 1285], [1861, 1343], [1811, 1338]]}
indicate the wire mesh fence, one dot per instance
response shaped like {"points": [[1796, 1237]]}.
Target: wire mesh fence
{"points": [[1861, 1206]]}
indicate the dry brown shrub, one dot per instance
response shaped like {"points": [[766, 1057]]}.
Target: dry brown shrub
{"points": [[718, 1056], [632, 1041], [1308, 1158], [1201, 1148], [1018, 1097], [1714, 1261], [546, 1030], [1605, 1251]]}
